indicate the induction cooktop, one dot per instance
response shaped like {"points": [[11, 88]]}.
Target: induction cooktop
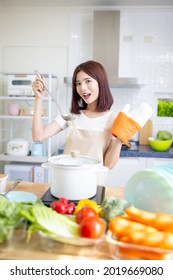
{"points": [[48, 198]]}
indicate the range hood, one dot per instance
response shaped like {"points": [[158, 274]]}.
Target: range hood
{"points": [[106, 47]]}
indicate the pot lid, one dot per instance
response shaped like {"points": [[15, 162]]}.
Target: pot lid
{"points": [[74, 160]]}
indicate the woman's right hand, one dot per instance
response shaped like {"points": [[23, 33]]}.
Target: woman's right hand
{"points": [[38, 87]]}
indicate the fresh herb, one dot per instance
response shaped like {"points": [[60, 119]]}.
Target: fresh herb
{"points": [[165, 108]]}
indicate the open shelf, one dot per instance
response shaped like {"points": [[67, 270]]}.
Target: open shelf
{"points": [[32, 159], [19, 126], [24, 98], [9, 117]]}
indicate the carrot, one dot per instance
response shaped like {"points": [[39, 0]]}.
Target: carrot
{"points": [[163, 222], [138, 233]]}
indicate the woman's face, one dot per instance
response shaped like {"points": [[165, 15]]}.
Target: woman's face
{"points": [[87, 88]]}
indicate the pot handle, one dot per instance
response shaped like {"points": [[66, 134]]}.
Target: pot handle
{"points": [[101, 173], [45, 165], [102, 169]]}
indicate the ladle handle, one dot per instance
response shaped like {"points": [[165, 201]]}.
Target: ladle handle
{"points": [[13, 186], [46, 87]]}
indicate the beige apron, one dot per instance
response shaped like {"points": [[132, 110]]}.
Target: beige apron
{"points": [[89, 142]]}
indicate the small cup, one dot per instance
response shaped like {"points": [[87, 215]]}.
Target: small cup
{"points": [[14, 109], [3, 182]]}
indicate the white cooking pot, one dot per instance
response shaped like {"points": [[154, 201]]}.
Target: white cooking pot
{"points": [[74, 177]]}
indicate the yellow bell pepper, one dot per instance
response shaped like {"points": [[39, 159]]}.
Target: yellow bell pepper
{"points": [[87, 202]]}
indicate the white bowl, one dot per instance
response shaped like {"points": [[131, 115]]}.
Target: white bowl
{"points": [[21, 196], [3, 182]]}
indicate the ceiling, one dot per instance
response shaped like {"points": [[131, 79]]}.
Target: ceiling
{"points": [[81, 3]]}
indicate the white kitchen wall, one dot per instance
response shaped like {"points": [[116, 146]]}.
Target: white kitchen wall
{"points": [[148, 55], [60, 39], [146, 52], [36, 39]]}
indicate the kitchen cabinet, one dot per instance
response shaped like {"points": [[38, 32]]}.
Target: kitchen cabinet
{"points": [[127, 166], [154, 162], [20, 126], [124, 169]]}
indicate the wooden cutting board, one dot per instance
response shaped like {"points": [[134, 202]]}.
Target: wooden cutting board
{"points": [[145, 132]]}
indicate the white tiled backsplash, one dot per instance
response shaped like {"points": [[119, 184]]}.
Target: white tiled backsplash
{"points": [[146, 52]]}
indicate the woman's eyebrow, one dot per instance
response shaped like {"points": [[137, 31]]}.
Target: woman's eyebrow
{"points": [[77, 81]]}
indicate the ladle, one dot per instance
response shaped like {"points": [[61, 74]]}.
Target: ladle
{"points": [[67, 117], [11, 188]]}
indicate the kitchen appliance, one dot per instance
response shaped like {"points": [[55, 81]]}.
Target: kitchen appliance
{"points": [[20, 85], [106, 46], [40, 174], [75, 177], [18, 147], [14, 171], [38, 149], [48, 198], [28, 172]]}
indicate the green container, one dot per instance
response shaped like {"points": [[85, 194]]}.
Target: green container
{"points": [[152, 189]]}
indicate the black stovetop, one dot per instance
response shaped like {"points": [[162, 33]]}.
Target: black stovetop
{"points": [[47, 198]]}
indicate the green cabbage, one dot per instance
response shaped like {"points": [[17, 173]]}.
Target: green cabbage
{"points": [[164, 135], [112, 207], [48, 221]]}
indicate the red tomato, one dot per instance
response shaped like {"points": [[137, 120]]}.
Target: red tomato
{"points": [[69, 209], [91, 227], [53, 205], [85, 212], [64, 200], [58, 206]]}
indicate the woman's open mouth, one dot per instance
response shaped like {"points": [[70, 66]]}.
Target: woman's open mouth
{"points": [[86, 95]]}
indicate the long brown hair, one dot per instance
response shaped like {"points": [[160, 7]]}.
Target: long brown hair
{"points": [[96, 71]]}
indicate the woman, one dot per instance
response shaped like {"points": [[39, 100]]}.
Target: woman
{"points": [[90, 129]]}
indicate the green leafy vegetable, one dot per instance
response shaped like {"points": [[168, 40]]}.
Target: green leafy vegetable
{"points": [[112, 207], [10, 217], [50, 222], [163, 135], [38, 218], [165, 108]]}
